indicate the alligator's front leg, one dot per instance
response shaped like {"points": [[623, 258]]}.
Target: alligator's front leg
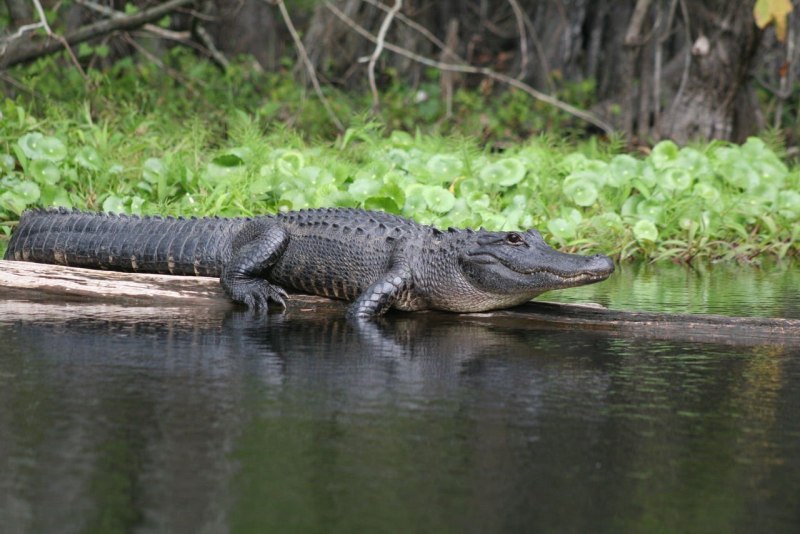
{"points": [[382, 294], [257, 246]]}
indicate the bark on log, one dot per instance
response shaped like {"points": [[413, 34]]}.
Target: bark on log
{"points": [[154, 295], [109, 285]]}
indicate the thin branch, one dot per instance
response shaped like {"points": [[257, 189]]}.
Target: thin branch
{"points": [[633, 36], [171, 72], [20, 31], [67, 47], [25, 50], [422, 30], [42, 17], [14, 83], [688, 63], [786, 78], [658, 61], [373, 59], [537, 45], [215, 53], [301, 50], [523, 38], [181, 37], [469, 69]]}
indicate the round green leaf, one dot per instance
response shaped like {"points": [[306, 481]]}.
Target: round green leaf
{"points": [[88, 158], [393, 192], [740, 174], [609, 221], [561, 228], [664, 154], [37, 146], [439, 199], [296, 200], [645, 230], [622, 170], [444, 167], [582, 192], [153, 169], [218, 173], [381, 204], [478, 200], [363, 188], [649, 210], [574, 162], [707, 192], [789, 204], [12, 202], [53, 195], [397, 156], [7, 162], [675, 180], [506, 172], [415, 200], [315, 176], [114, 204], [572, 215], [630, 205], [45, 171], [29, 192], [290, 161]]}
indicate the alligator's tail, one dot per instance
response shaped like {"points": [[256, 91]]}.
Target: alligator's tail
{"points": [[124, 243]]}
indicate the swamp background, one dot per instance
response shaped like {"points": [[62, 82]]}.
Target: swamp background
{"points": [[659, 130], [664, 133]]}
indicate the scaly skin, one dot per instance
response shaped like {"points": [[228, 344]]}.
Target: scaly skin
{"points": [[375, 259]]}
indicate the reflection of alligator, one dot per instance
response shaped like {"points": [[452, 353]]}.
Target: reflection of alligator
{"points": [[376, 259]]}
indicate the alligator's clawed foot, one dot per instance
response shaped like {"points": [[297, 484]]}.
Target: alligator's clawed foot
{"points": [[256, 294]]}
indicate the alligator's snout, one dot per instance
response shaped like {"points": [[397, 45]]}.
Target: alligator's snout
{"points": [[574, 269], [601, 266]]}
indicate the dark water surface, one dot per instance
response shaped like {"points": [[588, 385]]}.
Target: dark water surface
{"points": [[119, 419]]}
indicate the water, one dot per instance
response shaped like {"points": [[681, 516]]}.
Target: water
{"points": [[120, 419], [771, 290]]}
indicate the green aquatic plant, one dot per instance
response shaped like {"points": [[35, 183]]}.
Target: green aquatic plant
{"points": [[720, 201]]}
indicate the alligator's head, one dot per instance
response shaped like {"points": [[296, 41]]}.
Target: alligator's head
{"points": [[509, 268]]}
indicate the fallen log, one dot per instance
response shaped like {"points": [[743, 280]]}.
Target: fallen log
{"points": [[109, 285], [155, 294]]}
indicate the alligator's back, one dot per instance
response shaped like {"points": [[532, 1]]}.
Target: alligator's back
{"points": [[327, 247], [124, 243]]}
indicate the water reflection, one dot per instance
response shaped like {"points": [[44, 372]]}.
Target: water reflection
{"points": [[766, 290], [224, 421]]}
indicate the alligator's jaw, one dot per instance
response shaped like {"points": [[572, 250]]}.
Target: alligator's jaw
{"points": [[598, 268]]}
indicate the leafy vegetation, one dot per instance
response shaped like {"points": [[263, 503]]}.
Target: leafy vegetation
{"points": [[135, 141]]}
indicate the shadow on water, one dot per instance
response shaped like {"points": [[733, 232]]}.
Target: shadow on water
{"points": [[216, 420]]}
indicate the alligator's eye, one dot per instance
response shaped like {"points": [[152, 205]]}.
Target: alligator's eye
{"points": [[514, 238]]}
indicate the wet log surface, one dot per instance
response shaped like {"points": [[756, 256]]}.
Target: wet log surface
{"points": [[130, 294]]}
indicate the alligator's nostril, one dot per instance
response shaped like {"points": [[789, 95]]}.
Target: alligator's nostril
{"points": [[603, 262]]}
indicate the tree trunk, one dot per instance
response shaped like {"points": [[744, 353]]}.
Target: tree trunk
{"points": [[20, 12], [725, 40]]}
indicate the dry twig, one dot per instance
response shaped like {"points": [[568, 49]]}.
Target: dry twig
{"points": [[422, 30], [469, 69], [20, 50], [523, 38], [373, 59], [301, 50]]}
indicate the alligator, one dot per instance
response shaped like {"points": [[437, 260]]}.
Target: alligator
{"points": [[378, 260]]}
